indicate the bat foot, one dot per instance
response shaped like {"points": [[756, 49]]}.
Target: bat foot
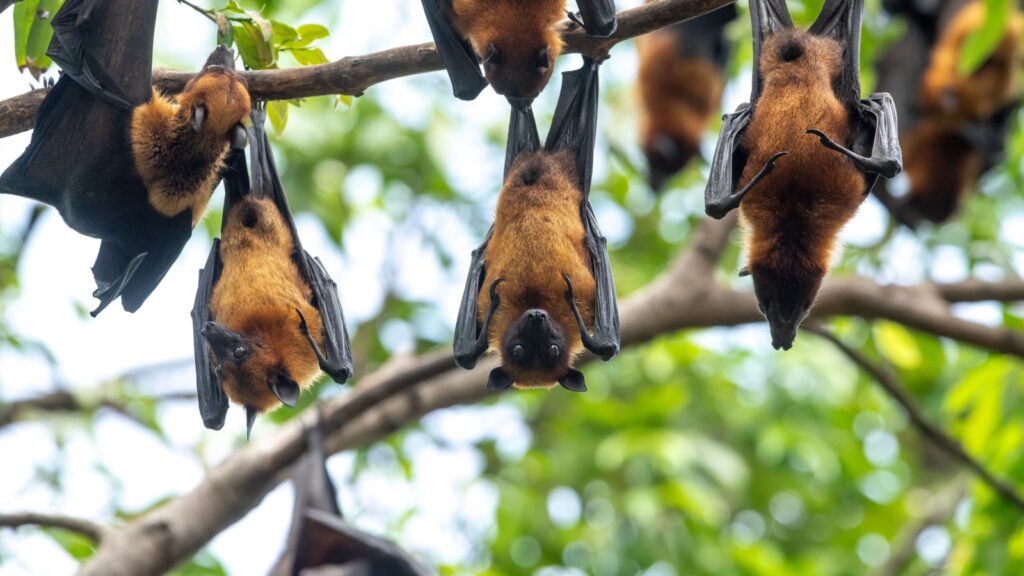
{"points": [[825, 140], [493, 292], [569, 295]]}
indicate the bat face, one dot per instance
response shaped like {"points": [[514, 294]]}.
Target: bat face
{"points": [[666, 155], [251, 373], [519, 72], [217, 101], [785, 300], [534, 348]]}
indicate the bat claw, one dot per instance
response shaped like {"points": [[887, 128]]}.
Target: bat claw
{"points": [[825, 140], [493, 291], [569, 295], [575, 18]]}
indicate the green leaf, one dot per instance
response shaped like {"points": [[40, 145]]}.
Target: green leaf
{"points": [[980, 44], [309, 56], [278, 112], [898, 345], [283, 33], [256, 51], [32, 34]]}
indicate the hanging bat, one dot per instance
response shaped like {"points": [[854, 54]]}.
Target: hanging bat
{"points": [[267, 317], [319, 540], [953, 127], [120, 162], [800, 157], [542, 275], [680, 86], [517, 41]]}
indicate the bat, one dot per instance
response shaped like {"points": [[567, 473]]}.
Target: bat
{"points": [[543, 275], [267, 317], [953, 126], [120, 162], [319, 540], [800, 157], [680, 82], [517, 41], [5, 4]]}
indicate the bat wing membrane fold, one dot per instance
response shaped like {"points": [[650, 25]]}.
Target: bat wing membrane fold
{"points": [[598, 17], [458, 56], [213, 402], [720, 195], [840, 20], [768, 17]]}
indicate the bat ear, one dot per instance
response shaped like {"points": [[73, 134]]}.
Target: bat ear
{"points": [[745, 271], [239, 138], [499, 380], [198, 117], [286, 389], [573, 381], [250, 418]]}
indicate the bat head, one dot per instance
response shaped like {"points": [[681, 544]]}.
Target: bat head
{"points": [[667, 155], [249, 370], [535, 353], [785, 298], [217, 102], [797, 56], [519, 69]]}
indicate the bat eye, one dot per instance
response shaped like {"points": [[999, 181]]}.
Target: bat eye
{"points": [[240, 352], [517, 351], [542, 59], [553, 351]]}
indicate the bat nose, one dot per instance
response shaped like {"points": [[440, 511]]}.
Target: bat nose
{"points": [[536, 316]]}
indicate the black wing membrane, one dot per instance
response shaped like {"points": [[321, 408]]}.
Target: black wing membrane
{"points": [[704, 36], [598, 17], [5, 4], [767, 17], [840, 20], [318, 536], [336, 357], [574, 128], [522, 136], [720, 195], [458, 56]]}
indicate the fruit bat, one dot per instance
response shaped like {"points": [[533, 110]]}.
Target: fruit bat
{"points": [[319, 540], [120, 162], [680, 82], [517, 41], [799, 159], [267, 317], [542, 275], [953, 127]]}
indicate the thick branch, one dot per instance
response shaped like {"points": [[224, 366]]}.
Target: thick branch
{"points": [[354, 74], [91, 530], [943, 441]]}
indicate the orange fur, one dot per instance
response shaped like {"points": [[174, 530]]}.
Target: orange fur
{"points": [[178, 165], [678, 97], [519, 30], [538, 236], [257, 295], [794, 215]]}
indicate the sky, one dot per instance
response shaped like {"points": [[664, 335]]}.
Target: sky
{"points": [[56, 287]]}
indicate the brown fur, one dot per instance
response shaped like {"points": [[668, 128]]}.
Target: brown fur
{"points": [[519, 29], [942, 168], [538, 236], [179, 166], [678, 97], [258, 293], [794, 215]]}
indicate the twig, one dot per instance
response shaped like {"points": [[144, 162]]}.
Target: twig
{"points": [[87, 528], [202, 11], [939, 438]]}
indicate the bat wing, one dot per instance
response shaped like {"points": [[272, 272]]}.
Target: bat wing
{"points": [[106, 46], [336, 356], [470, 341], [840, 20], [458, 56], [900, 69], [767, 17], [877, 139], [5, 4], [704, 36], [720, 196], [989, 136], [213, 402], [598, 17], [341, 544], [522, 136]]}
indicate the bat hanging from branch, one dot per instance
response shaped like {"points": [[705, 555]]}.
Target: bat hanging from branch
{"points": [[120, 162], [543, 276], [516, 41], [321, 542], [799, 159], [267, 317], [953, 126], [680, 82]]}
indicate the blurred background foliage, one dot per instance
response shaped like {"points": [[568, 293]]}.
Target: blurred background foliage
{"points": [[703, 452]]}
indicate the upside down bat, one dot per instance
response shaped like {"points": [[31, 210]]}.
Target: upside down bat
{"points": [[517, 41], [120, 162], [319, 538], [953, 127], [542, 275], [799, 159], [267, 317], [680, 86]]}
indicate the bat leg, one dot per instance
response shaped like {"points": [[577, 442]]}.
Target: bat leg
{"points": [[326, 365], [720, 209], [599, 344], [887, 167], [480, 344], [597, 17], [107, 293]]}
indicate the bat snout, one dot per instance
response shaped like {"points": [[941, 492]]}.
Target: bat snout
{"points": [[536, 317]]}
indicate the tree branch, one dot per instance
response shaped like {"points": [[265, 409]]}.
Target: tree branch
{"points": [[89, 529], [943, 505], [352, 75], [939, 438]]}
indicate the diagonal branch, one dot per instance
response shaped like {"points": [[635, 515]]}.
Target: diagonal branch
{"points": [[938, 437], [89, 529], [352, 75]]}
